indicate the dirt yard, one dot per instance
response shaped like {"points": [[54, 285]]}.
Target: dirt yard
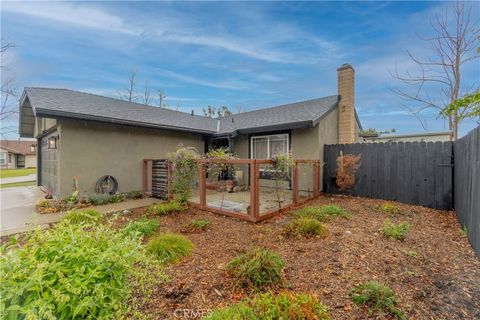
{"points": [[434, 272]]}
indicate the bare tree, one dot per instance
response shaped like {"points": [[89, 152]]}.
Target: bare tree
{"points": [[437, 81], [9, 96], [129, 91], [161, 96], [146, 94]]}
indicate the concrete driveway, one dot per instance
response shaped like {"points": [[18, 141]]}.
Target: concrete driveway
{"points": [[17, 207]]}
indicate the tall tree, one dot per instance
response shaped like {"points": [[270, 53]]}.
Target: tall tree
{"points": [[129, 91], [146, 94], [213, 112], [9, 96], [437, 83]]}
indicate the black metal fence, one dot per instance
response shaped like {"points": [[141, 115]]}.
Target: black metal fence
{"points": [[410, 172], [467, 185]]}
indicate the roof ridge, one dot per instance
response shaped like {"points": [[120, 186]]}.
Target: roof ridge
{"points": [[117, 99], [282, 105]]}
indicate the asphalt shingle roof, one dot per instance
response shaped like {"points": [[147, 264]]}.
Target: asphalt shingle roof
{"points": [[75, 104]]}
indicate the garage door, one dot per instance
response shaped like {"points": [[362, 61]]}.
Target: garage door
{"points": [[48, 167]]}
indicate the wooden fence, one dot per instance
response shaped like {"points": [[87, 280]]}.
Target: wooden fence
{"points": [[467, 185], [410, 172]]}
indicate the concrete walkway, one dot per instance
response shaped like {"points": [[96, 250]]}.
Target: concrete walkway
{"points": [[17, 219], [30, 177]]}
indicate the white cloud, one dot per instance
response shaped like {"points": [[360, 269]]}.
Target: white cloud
{"points": [[227, 84], [69, 13]]}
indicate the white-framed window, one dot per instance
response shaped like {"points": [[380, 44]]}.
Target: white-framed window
{"points": [[266, 147], [3, 158]]}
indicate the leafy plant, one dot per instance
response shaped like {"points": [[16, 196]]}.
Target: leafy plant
{"points": [[135, 194], [116, 198], [142, 227], [377, 297], [464, 231], [72, 271], [219, 165], [184, 165], [280, 171], [306, 227], [87, 216], [170, 247], [286, 305], [257, 269], [322, 213], [397, 231], [167, 208], [200, 224], [347, 168], [389, 208], [73, 198], [99, 198]]}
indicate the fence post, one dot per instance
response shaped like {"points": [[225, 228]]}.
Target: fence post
{"points": [[316, 176], [295, 183], [254, 190], [169, 180], [145, 175], [202, 186]]}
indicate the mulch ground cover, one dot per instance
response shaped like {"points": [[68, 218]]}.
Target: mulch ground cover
{"points": [[434, 272]]}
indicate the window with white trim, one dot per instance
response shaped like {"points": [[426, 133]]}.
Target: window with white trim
{"points": [[266, 147], [3, 158]]}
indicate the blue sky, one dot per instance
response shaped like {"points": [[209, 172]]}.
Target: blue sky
{"points": [[245, 55]]}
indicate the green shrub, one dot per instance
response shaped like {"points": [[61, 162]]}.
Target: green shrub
{"points": [[170, 247], [257, 269], [377, 297], [286, 305], [99, 198], [72, 271], [322, 213], [389, 208], [135, 194], [73, 198], [199, 224], [116, 198], [397, 231], [306, 227], [86, 216], [166, 208], [143, 227]]}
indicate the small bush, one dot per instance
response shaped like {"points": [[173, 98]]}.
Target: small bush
{"points": [[87, 216], [257, 269], [286, 305], [170, 247], [143, 227], [135, 194], [397, 231], [200, 224], [322, 213], [116, 198], [166, 208], [72, 271], [99, 198], [306, 227], [389, 208], [347, 168], [377, 297]]}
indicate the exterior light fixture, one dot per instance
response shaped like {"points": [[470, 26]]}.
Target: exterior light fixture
{"points": [[52, 143], [32, 148]]}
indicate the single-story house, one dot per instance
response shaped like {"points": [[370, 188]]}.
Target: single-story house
{"points": [[430, 136], [17, 154], [88, 136]]}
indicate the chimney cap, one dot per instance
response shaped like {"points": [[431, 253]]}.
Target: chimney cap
{"points": [[345, 66]]}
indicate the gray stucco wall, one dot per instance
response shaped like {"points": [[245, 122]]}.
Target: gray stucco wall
{"points": [[90, 150]]}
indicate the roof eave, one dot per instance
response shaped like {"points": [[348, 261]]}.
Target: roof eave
{"points": [[78, 116]]}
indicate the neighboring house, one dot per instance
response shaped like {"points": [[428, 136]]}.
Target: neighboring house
{"points": [[17, 154], [88, 136], [410, 137]]}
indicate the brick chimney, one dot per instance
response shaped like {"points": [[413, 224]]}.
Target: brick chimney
{"points": [[346, 106]]}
